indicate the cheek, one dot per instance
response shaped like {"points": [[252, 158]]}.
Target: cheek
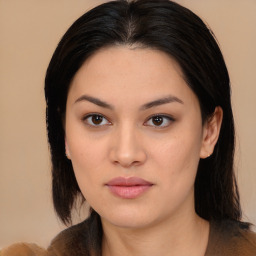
{"points": [[87, 165], [178, 150], [177, 164], [177, 159], [87, 156]]}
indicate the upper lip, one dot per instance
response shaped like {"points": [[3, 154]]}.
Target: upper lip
{"points": [[130, 181]]}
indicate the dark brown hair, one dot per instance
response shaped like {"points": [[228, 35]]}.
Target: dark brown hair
{"points": [[175, 30]]}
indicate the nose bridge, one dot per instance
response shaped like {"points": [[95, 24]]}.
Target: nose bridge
{"points": [[128, 147], [127, 139]]}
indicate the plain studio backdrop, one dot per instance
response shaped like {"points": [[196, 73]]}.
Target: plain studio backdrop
{"points": [[29, 33]]}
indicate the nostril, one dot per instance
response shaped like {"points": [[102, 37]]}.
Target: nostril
{"points": [[126, 160]]}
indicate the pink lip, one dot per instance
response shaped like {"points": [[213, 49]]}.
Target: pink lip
{"points": [[128, 188]]}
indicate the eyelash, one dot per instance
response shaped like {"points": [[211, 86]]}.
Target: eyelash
{"points": [[164, 118]]}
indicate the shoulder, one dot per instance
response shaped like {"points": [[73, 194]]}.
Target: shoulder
{"points": [[231, 238], [23, 249], [71, 239], [71, 242], [82, 239]]}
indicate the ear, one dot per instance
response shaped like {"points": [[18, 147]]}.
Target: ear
{"points": [[211, 131], [67, 149]]}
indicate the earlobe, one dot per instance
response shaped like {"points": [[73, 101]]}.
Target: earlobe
{"points": [[211, 133], [67, 149]]}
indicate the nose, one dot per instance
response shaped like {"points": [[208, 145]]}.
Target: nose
{"points": [[127, 148]]}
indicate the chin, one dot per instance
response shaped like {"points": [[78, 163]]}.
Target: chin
{"points": [[129, 219], [131, 223]]}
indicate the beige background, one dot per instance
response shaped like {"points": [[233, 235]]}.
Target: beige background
{"points": [[29, 33]]}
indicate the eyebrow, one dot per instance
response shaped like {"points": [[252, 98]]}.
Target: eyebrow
{"points": [[95, 101], [161, 101], [155, 103]]}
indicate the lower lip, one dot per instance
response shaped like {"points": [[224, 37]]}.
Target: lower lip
{"points": [[129, 192]]}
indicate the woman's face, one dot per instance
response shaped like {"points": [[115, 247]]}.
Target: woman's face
{"points": [[134, 135]]}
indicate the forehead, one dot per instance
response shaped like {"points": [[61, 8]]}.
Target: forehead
{"points": [[126, 59], [121, 70]]}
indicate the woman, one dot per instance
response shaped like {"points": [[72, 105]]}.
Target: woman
{"points": [[140, 127]]}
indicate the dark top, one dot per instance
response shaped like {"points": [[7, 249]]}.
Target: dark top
{"points": [[231, 238], [227, 238]]}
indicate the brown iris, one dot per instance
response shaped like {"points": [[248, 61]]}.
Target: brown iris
{"points": [[157, 120], [96, 119]]}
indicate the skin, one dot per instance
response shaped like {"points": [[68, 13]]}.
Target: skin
{"points": [[128, 142]]}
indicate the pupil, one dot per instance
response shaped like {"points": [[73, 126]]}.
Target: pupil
{"points": [[158, 120], [97, 119]]}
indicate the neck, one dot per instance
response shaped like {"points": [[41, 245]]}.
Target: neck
{"points": [[169, 238]]}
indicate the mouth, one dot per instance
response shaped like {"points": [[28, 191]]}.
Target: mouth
{"points": [[128, 188]]}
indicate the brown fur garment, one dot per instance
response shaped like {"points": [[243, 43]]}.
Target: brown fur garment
{"points": [[23, 249]]}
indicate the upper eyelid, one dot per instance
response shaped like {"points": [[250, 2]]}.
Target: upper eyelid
{"points": [[99, 114], [94, 114], [162, 115]]}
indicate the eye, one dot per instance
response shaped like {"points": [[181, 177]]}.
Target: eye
{"points": [[96, 120], [159, 121]]}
